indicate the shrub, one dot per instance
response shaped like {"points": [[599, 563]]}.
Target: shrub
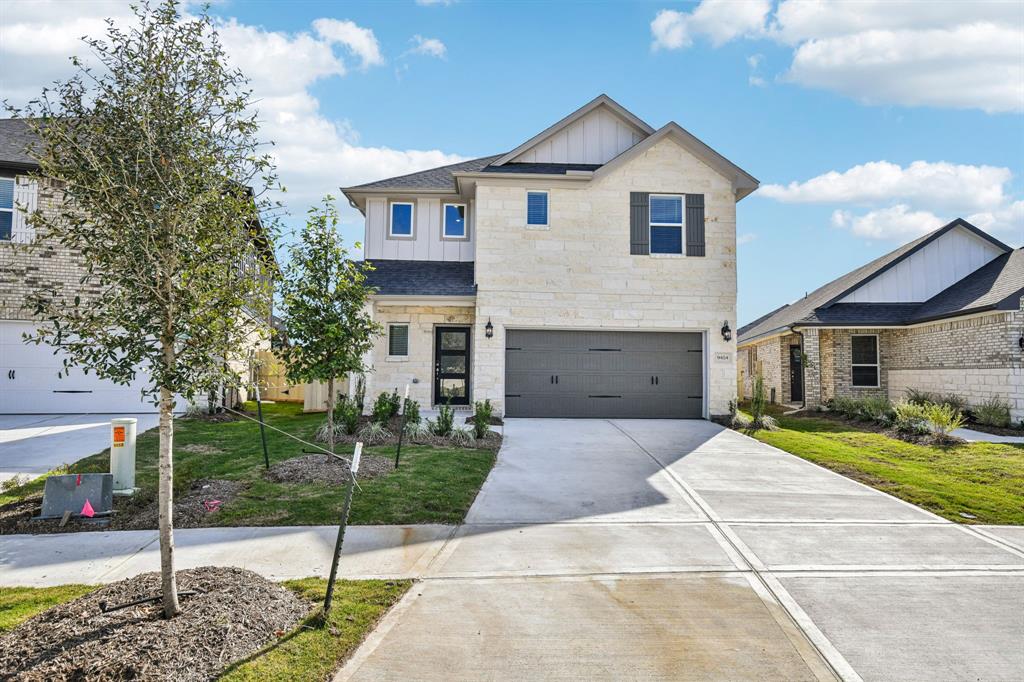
{"points": [[993, 412], [757, 399], [374, 432], [346, 415], [412, 412], [944, 419], [445, 420], [952, 400], [767, 423], [875, 409], [740, 421], [385, 407], [921, 397], [461, 436], [360, 393], [482, 418], [846, 407], [911, 418], [418, 431]]}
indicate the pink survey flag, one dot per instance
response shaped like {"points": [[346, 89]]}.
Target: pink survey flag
{"points": [[87, 509]]}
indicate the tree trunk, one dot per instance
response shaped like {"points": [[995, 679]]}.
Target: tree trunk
{"points": [[166, 502], [330, 414]]}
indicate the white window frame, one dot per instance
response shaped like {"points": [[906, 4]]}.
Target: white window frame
{"points": [[681, 225], [444, 222], [877, 364], [408, 341], [14, 206], [412, 219], [547, 204]]}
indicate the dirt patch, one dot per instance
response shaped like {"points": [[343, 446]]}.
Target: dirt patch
{"points": [[201, 449], [196, 509], [326, 469], [234, 613]]}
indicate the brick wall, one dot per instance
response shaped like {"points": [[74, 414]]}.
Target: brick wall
{"points": [[841, 348], [578, 273]]}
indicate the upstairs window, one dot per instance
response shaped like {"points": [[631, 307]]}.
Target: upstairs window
{"points": [[666, 223], [401, 219], [455, 221], [537, 209], [864, 370], [6, 208], [398, 340]]}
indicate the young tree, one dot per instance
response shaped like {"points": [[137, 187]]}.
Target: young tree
{"points": [[323, 302], [154, 153]]}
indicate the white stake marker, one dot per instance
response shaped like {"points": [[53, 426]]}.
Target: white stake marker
{"points": [[355, 457]]}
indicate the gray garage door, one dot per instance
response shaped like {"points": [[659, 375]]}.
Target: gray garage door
{"points": [[603, 374]]}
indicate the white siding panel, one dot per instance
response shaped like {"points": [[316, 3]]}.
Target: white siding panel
{"points": [[596, 138], [427, 243], [934, 268], [25, 195]]}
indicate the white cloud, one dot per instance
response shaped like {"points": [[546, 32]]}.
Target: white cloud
{"points": [[431, 47], [719, 20], [948, 54], [359, 41], [315, 154], [901, 223], [938, 184]]}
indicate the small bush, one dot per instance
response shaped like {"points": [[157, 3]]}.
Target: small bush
{"points": [[875, 409], [374, 432], [993, 412], [461, 436], [766, 423], [945, 419], [921, 397], [740, 421], [758, 400], [412, 412], [346, 415], [418, 431], [385, 407], [360, 393], [445, 421], [954, 401], [911, 418], [482, 418]]}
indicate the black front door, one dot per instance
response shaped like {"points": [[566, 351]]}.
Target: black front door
{"points": [[451, 365], [796, 374]]}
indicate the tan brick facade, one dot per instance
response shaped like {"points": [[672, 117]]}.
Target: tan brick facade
{"points": [[771, 359], [578, 272]]}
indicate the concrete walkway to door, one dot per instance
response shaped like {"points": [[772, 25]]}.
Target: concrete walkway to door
{"points": [[680, 550]]}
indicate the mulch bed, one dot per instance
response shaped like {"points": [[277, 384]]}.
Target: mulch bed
{"points": [[929, 439], [491, 442], [995, 430], [326, 469], [235, 613], [195, 509]]}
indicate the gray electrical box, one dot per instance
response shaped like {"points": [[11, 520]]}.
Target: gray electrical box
{"points": [[68, 493]]}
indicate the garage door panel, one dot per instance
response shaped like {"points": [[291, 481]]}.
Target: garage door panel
{"points": [[556, 373]]}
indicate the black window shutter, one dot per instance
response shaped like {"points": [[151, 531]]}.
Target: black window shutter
{"points": [[694, 224], [639, 223]]}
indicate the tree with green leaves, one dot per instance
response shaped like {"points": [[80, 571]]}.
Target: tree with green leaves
{"points": [[324, 298], [160, 185]]}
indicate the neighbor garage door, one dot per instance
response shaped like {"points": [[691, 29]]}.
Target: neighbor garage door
{"points": [[552, 373]]}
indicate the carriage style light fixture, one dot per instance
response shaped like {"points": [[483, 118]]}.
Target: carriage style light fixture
{"points": [[726, 332], [489, 329]]}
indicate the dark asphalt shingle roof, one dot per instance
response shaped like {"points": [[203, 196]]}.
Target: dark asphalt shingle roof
{"points": [[544, 168], [15, 137], [434, 178], [997, 285], [422, 278]]}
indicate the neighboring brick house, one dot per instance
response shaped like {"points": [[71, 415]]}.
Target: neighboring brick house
{"points": [[944, 313], [588, 272], [29, 381]]}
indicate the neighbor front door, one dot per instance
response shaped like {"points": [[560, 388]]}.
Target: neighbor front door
{"points": [[796, 374], [451, 365]]}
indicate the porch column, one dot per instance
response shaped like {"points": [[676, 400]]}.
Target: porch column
{"points": [[367, 364], [812, 370]]}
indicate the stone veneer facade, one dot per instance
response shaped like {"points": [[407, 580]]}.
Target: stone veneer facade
{"points": [[578, 272], [976, 358]]}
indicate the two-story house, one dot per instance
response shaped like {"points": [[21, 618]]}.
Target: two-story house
{"points": [[30, 381], [589, 272]]}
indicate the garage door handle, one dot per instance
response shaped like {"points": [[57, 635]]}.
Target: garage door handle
{"points": [[556, 378], [551, 379], [657, 380]]}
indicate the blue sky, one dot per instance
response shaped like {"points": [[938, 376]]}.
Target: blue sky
{"points": [[790, 92]]}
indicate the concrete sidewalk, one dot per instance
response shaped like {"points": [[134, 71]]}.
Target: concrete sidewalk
{"points": [[278, 553]]}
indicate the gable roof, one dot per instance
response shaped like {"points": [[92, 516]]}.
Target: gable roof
{"points": [[432, 180], [15, 139], [997, 285], [820, 307], [601, 100]]}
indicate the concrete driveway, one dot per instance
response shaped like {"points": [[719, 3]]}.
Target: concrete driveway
{"points": [[32, 444], [680, 550]]}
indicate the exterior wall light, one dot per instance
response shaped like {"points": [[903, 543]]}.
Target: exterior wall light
{"points": [[1020, 341], [726, 332], [489, 329]]}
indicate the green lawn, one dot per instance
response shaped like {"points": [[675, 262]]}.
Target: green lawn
{"points": [[433, 484], [985, 480], [308, 652]]}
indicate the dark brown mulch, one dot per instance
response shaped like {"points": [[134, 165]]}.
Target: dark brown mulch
{"points": [[995, 430], [495, 421], [131, 513], [491, 442], [235, 613], [325, 469]]}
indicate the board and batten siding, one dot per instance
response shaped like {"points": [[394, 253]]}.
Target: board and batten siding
{"points": [[930, 270], [427, 243], [596, 138]]}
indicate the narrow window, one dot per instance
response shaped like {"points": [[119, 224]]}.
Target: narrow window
{"points": [[398, 340], [455, 221], [6, 208], [401, 219], [537, 209], [864, 371], [666, 223]]}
